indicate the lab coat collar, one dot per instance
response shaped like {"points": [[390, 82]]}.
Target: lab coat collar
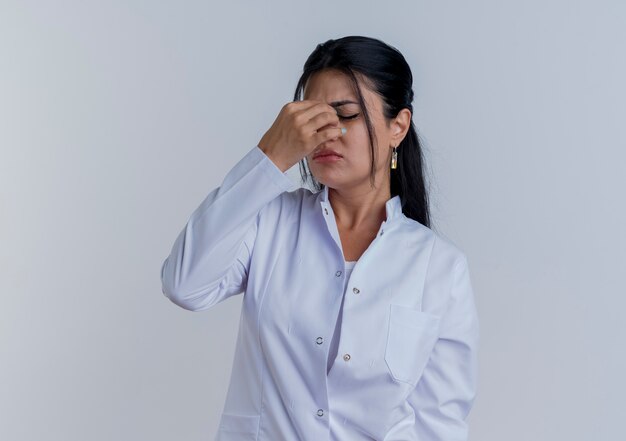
{"points": [[393, 206]]}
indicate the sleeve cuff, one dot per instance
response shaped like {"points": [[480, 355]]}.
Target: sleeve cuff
{"points": [[280, 178]]}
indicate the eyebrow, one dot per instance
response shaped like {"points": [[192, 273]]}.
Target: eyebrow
{"points": [[342, 102]]}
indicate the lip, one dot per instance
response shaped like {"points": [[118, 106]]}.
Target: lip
{"points": [[326, 152], [327, 158]]}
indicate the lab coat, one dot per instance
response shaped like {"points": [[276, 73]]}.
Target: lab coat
{"points": [[406, 359]]}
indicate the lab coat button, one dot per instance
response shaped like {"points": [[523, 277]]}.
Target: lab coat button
{"points": [[325, 211], [319, 340], [346, 357], [355, 290], [320, 412], [338, 273]]}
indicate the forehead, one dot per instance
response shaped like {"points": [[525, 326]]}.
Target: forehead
{"points": [[333, 87]]}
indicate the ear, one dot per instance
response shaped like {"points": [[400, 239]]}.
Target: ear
{"points": [[400, 126]]}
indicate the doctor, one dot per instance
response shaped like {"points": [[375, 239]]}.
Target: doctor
{"points": [[358, 322]]}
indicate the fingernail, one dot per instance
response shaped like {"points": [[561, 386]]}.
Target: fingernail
{"points": [[343, 130]]}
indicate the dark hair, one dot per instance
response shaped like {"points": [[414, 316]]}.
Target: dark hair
{"points": [[383, 69]]}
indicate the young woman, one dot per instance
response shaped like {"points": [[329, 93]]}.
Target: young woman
{"points": [[358, 321]]}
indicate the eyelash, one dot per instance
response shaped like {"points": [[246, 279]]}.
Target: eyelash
{"points": [[348, 117]]}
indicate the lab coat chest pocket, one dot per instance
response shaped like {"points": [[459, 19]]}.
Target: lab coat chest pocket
{"points": [[411, 336], [235, 427]]}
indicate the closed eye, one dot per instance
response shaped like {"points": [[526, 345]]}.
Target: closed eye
{"points": [[348, 117]]}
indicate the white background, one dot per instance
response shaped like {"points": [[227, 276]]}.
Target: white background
{"points": [[118, 117]]}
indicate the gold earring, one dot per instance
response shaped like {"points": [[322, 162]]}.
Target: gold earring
{"points": [[394, 158]]}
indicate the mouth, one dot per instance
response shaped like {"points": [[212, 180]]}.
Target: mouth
{"points": [[327, 154], [327, 157]]}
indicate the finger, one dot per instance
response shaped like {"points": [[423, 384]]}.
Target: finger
{"points": [[305, 105], [320, 107], [328, 134], [320, 121]]}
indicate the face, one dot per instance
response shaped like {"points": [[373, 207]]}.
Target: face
{"points": [[352, 171]]}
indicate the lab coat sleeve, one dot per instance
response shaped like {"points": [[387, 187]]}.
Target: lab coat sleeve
{"points": [[210, 258], [443, 397]]}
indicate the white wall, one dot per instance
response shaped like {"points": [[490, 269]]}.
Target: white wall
{"points": [[117, 118]]}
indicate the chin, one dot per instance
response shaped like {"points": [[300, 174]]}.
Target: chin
{"points": [[327, 182]]}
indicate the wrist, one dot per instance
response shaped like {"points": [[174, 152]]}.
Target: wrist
{"points": [[272, 157]]}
